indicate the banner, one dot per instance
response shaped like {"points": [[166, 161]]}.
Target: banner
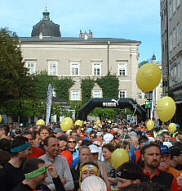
{"points": [[49, 103]]}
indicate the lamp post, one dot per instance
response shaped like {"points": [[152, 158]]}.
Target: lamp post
{"points": [[153, 112]]}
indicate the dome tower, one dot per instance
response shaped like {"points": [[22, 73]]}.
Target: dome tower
{"points": [[45, 27]]}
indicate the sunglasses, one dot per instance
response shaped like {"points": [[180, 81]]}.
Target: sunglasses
{"points": [[71, 141]]}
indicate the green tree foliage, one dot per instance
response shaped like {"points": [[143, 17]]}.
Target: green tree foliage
{"points": [[62, 87], [87, 86], [59, 110], [15, 82], [76, 105], [103, 113], [109, 85], [42, 80]]}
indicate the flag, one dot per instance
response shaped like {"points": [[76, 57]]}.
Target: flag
{"points": [[49, 103]]}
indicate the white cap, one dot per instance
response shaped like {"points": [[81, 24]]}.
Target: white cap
{"points": [[93, 183], [108, 137], [94, 149], [168, 144]]}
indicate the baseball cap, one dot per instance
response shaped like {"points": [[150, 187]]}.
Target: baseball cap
{"points": [[108, 137], [57, 130], [94, 148], [175, 151], [62, 138], [164, 149]]}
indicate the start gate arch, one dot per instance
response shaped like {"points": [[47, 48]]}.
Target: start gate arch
{"points": [[112, 103]]}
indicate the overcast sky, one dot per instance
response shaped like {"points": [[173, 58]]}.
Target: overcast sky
{"points": [[129, 19]]}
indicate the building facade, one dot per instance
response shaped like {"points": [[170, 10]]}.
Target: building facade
{"points": [[171, 35], [82, 57]]}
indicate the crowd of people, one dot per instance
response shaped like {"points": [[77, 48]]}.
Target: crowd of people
{"points": [[80, 159]]}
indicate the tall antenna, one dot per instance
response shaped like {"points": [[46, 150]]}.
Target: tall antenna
{"points": [[45, 5]]}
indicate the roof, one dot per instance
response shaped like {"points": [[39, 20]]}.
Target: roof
{"points": [[77, 40], [46, 27]]}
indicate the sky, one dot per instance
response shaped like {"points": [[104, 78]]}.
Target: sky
{"points": [[128, 19]]}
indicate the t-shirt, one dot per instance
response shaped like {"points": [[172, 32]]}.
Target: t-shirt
{"points": [[35, 153], [10, 177]]}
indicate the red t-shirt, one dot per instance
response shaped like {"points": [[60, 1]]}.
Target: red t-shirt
{"points": [[36, 152]]}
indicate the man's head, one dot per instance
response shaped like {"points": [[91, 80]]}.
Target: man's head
{"points": [[35, 170], [94, 152], [176, 154], [62, 142], [143, 140], [151, 155], [58, 132], [84, 154], [51, 146], [165, 158], [71, 143], [4, 130], [5, 144], [44, 132], [20, 147], [29, 136]]}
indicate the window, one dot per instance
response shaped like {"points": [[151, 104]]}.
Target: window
{"points": [[96, 69], [75, 68], [122, 93], [97, 94], [52, 67], [30, 64], [75, 95], [122, 69]]}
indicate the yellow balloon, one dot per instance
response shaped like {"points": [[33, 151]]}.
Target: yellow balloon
{"points": [[148, 77], [40, 122], [166, 108], [98, 122], [66, 124], [1, 119], [172, 128], [119, 157], [79, 123], [150, 124]]}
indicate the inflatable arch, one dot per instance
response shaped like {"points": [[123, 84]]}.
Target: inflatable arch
{"points": [[112, 103]]}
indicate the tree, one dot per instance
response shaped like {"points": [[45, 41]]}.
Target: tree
{"points": [[109, 85], [16, 84]]}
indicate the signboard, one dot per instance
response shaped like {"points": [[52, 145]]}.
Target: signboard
{"points": [[109, 104], [148, 104]]}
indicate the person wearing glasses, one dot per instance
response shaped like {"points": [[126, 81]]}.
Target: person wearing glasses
{"points": [[72, 147], [63, 141]]}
